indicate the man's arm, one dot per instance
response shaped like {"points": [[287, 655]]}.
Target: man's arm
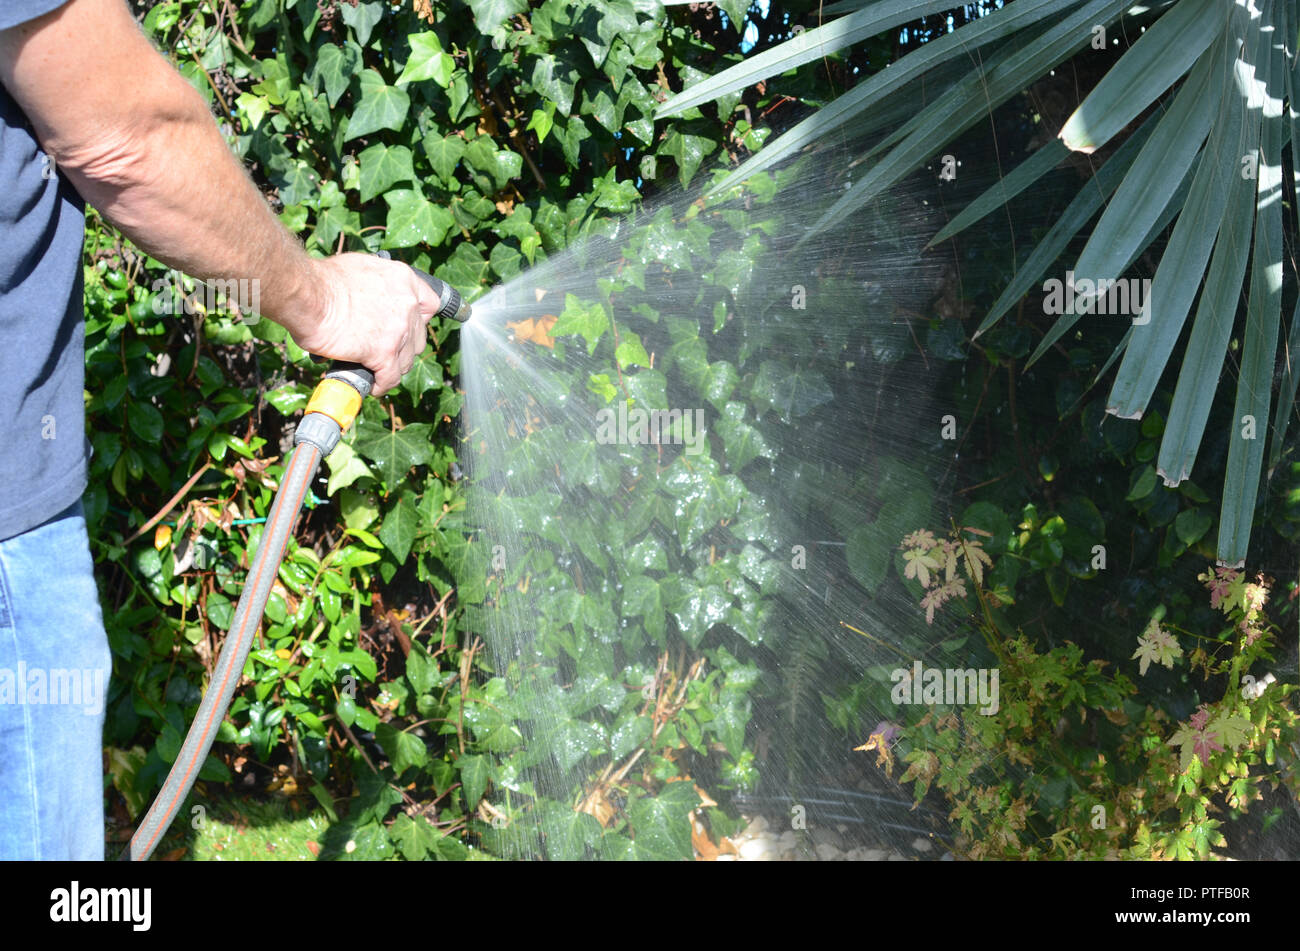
{"points": [[138, 143]]}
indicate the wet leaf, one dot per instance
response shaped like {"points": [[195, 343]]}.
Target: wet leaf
{"points": [[394, 452]]}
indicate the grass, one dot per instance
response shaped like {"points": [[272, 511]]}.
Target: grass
{"points": [[224, 827]]}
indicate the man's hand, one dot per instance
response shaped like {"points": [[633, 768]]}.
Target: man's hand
{"points": [[138, 143], [373, 312]]}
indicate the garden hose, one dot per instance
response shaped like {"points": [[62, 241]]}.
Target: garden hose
{"points": [[333, 406]]}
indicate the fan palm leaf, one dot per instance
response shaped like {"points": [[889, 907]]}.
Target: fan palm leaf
{"points": [[1217, 78]]}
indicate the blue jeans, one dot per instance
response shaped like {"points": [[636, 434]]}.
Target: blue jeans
{"points": [[54, 671]]}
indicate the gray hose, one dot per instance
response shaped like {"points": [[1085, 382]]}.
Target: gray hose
{"points": [[225, 677], [315, 437]]}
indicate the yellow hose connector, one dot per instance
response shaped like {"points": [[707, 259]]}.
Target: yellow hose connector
{"points": [[337, 400]]}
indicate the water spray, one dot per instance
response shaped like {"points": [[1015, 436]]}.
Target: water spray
{"points": [[334, 404]]}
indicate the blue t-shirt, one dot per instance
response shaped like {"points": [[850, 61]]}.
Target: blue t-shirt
{"points": [[42, 336]]}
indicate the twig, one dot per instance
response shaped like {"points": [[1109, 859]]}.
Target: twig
{"points": [[170, 503], [234, 28], [225, 107]]}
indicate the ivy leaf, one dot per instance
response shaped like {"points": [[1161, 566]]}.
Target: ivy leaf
{"points": [[541, 123], [465, 269], [403, 749], [696, 608], [618, 197], [691, 359], [362, 17], [288, 399], [791, 392], [505, 261], [494, 723], [662, 823], [475, 771], [571, 135], [567, 832], [490, 15], [399, 528], [630, 351], [444, 153], [571, 741], [688, 150], [333, 221], [295, 180], [427, 61], [394, 453], [589, 320], [422, 671], [424, 375], [334, 68], [381, 107], [718, 382], [602, 386], [701, 496], [641, 598], [254, 108], [381, 166], [415, 837], [497, 166], [346, 467], [648, 389], [601, 108], [555, 79], [413, 220], [743, 442], [468, 564]]}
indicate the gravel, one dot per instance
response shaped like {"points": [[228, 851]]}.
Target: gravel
{"points": [[760, 842]]}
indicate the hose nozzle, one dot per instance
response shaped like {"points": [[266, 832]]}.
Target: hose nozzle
{"points": [[453, 305]]}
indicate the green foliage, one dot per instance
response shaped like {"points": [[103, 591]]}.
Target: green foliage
{"points": [[473, 139], [1113, 777]]}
